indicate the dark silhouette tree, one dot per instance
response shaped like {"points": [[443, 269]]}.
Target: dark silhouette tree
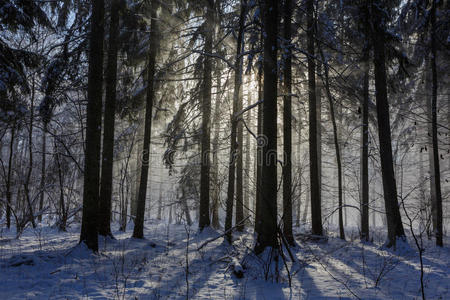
{"points": [[89, 231], [154, 42], [267, 228], [316, 211], [287, 124], [204, 220], [236, 144], [104, 220], [378, 20]]}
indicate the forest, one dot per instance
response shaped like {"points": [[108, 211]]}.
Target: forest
{"points": [[224, 149]]}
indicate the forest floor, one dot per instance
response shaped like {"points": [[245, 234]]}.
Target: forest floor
{"points": [[47, 264]]}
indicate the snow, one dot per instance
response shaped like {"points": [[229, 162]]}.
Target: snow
{"points": [[45, 263]]}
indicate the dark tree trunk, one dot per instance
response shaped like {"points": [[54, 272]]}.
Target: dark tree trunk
{"points": [[319, 88], [138, 163], [138, 231], [240, 139], [104, 214], [394, 222], [248, 150], [267, 229], [43, 162], [258, 196], [89, 231], [316, 211], [239, 217], [437, 174], [300, 167], [365, 151], [30, 153], [287, 128], [235, 149], [432, 181], [336, 144], [204, 220], [62, 206], [9, 175]]}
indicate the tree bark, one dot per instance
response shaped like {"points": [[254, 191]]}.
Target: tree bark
{"points": [[300, 168], [26, 184], [248, 149], [259, 163], [89, 232], [267, 229], [215, 161], [9, 175], [336, 145], [235, 148], [204, 220], [239, 217], [287, 127], [316, 211], [429, 138], [62, 206], [104, 220], [394, 222], [43, 162], [319, 88], [137, 163], [365, 151], [138, 231], [437, 174]]}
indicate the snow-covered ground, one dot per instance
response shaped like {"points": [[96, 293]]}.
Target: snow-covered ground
{"points": [[47, 264]]}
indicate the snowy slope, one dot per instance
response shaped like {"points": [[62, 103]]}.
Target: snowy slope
{"points": [[47, 264]]}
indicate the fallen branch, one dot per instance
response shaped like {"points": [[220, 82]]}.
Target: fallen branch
{"points": [[223, 234]]}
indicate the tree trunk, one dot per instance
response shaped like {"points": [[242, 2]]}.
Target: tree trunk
{"points": [[62, 206], [365, 152], [336, 145], [287, 128], [394, 222], [316, 210], [215, 160], [138, 231], [259, 158], [429, 130], [437, 174], [158, 217], [104, 220], [374, 211], [204, 220], [30, 153], [319, 88], [235, 148], [239, 217], [42, 183], [9, 176], [248, 150], [89, 231], [138, 163], [300, 168], [267, 229]]}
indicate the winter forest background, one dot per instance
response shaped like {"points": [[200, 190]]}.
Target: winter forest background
{"points": [[243, 149]]}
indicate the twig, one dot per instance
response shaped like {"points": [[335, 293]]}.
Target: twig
{"points": [[223, 234]]}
